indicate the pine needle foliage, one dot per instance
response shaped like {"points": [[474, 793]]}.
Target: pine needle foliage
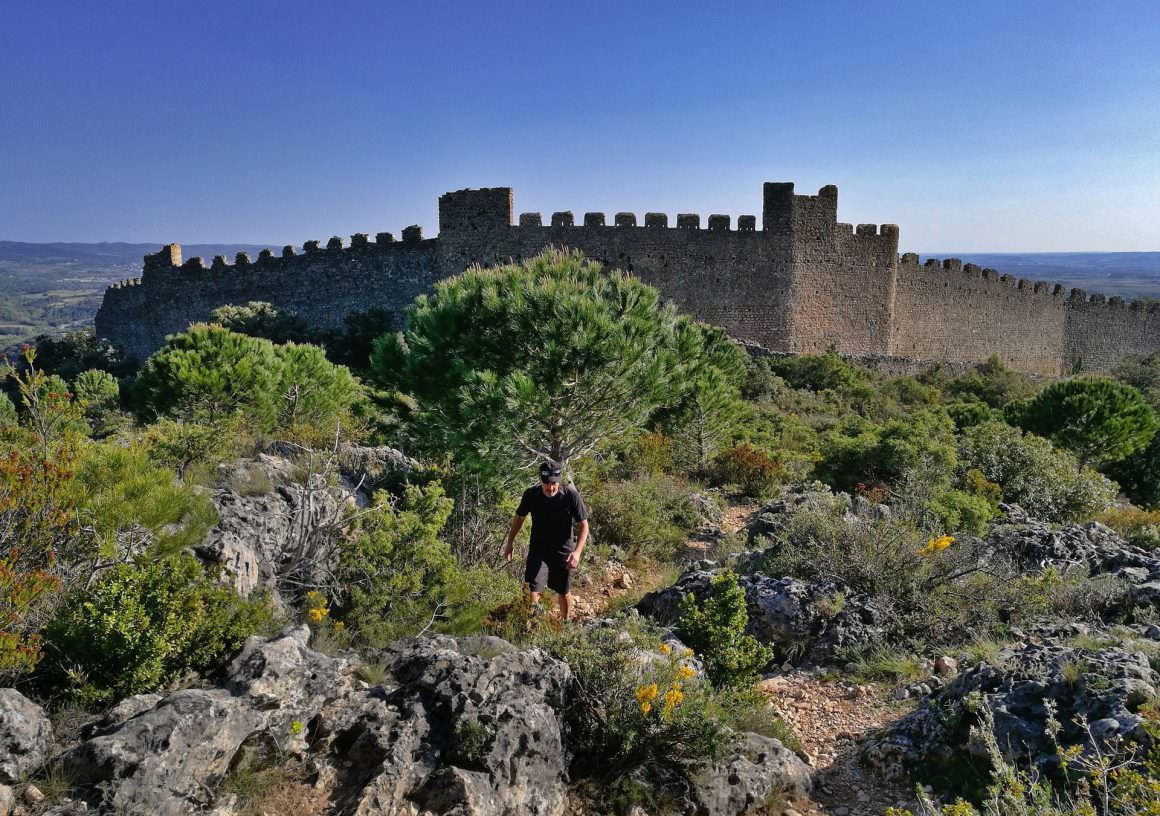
{"points": [[538, 360]]}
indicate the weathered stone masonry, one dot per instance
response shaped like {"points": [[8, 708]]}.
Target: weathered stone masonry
{"points": [[798, 282]]}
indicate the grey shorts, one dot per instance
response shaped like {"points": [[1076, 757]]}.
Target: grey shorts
{"points": [[550, 568]]}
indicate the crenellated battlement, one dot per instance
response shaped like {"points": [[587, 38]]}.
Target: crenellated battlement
{"points": [[800, 281]]}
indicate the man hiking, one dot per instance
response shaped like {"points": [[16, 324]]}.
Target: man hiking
{"points": [[552, 555]]}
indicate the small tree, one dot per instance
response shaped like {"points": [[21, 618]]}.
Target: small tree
{"points": [[539, 360], [715, 629], [1097, 418], [211, 372]]}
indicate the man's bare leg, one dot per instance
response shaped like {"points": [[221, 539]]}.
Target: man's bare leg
{"points": [[566, 605]]}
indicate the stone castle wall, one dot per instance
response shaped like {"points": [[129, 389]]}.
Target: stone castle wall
{"points": [[797, 281]]}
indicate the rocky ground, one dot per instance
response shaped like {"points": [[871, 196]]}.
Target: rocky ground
{"points": [[476, 726]]}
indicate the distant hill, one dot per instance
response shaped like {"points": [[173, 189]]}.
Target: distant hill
{"points": [[1127, 274], [57, 287]]}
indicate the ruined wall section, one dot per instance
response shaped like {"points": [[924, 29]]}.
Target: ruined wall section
{"points": [[1099, 331], [950, 312], [321, 284], [738, 278]]}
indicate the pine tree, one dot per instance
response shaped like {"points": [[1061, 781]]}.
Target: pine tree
{"points": [[539, 360], [1096, 418]]}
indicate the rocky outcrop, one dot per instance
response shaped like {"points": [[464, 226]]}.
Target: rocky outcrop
{"points": [[25, 736], [1131, 574], [1105, 688], [473, 727], [806, 622], [170, 757], [275, 516]]}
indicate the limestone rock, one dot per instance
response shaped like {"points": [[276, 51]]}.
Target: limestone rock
{"points": [[169, 758], [25, 736], [1107, 687]]}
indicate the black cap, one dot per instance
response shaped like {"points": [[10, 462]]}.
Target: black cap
{"points": [[549, 472]]}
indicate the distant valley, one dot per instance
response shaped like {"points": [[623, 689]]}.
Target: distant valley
{"points": [[57, 287]]}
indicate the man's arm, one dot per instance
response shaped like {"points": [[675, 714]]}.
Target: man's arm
{"points": [[581, 539], [513, 531]]}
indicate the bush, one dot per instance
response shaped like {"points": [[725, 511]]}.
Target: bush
{"points": [[1044, 481], [1140, 528], [67, 355], [859, 451], [935, 588], [647, 516], [961, 512], [747, 467], [992, 383], [394, 568], [715, 629], [143, 625], [969, 414], [260, 319], [818, 372], [129, 506], [626, 712], [1139, 474], [8, 417], [211, 375]]}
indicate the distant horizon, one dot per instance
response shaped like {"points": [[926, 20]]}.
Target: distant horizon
{"points": [[346, 240]]}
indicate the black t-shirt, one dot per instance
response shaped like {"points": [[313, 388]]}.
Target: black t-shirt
{"points": [[552, 517]]}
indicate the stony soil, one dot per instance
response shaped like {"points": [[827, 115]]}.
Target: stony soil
{"points": [[831, 717]]}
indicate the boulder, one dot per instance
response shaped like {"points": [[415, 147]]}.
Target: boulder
{"points": [[1105, 687], [25, 736]]}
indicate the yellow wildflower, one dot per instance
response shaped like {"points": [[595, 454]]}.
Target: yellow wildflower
{"points": [[687, 672], [646, 694], [688, 653], [665, 648], [339, 625], [297, 728], [645, 708], [673, 698], [316, 614], [936, 545]]}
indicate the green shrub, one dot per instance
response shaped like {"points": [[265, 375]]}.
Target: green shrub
{"points": [[130, 506], [715, 629], [1044, 481], [961, 512], [993, 383], [938, 589], [818, 372], [647, 516], [859, 451], [910, 392], [261, 319], [394, 568], [211, 375], [142, 625], [969, 414], [8, 418], [1139, 474], [619, 716]]}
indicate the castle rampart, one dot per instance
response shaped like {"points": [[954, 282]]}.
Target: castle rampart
{"points": [[803, 282]]}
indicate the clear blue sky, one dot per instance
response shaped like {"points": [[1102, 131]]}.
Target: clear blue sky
{"points": [[975, 126]]}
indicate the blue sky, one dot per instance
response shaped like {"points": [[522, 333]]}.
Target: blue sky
{"points": [[975, 126]]}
